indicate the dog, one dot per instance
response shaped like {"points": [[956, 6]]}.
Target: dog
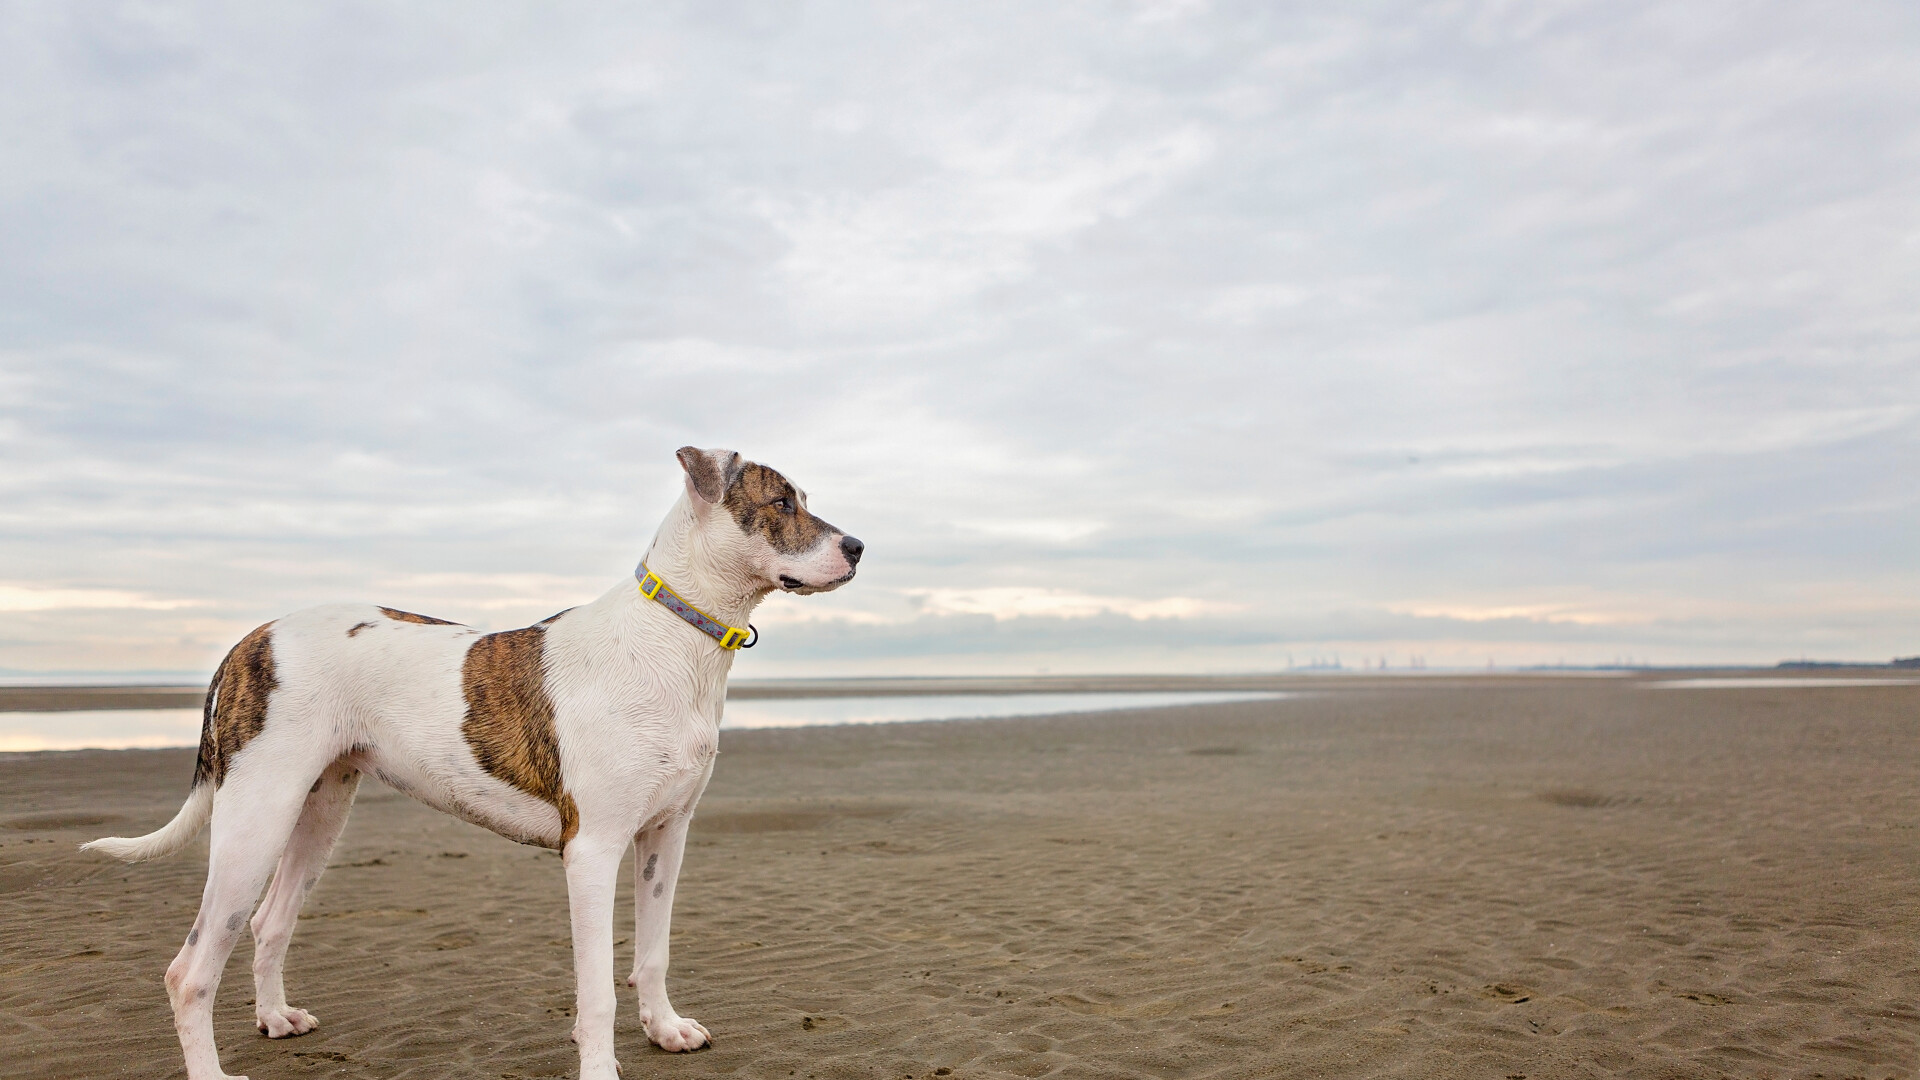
{"points": [[589, 732]]}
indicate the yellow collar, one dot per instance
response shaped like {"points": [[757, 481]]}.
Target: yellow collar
{"points": [[729, 637]]}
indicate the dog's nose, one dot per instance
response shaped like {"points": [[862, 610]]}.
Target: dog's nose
{"points": [[852, 547]]}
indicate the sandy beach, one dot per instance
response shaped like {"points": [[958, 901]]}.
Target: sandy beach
{"points": [[1488, 877]]}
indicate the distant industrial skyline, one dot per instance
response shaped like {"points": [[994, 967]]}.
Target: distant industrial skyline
{"points": [[1154, 337]]}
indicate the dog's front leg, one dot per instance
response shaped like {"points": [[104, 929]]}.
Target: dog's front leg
{"points": [[656, 867], [593, 864]]}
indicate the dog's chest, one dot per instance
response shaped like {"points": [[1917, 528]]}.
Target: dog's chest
{"points": [[667, 754], [693, 751], [675, 774]]}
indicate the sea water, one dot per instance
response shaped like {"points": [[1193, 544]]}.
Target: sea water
{"points": [[122, 729]]}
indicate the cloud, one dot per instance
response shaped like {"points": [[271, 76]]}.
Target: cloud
{"points": [[1043, 530], [1572, 327], [17, 598], [1547, 613], [1014, 602]]}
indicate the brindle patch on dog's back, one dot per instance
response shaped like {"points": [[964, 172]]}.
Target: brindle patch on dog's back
{"points": [[236, 707], [750, 498], [408, 616], [509, 723]]}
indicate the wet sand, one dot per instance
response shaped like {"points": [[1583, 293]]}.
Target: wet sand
{"points": [[1501, 878]]}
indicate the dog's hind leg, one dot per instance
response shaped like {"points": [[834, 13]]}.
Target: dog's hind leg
{"points": [[253, 814], [305, 859]]}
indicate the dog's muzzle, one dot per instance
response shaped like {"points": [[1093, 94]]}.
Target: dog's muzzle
{"points": [[851, 548]]}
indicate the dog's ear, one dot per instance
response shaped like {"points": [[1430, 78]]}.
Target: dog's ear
{"points": [[709, 472]]}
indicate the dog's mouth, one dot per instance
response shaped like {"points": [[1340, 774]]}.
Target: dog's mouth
{"points": [[794, 585]]}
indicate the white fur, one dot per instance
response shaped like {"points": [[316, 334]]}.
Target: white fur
{"points": [[637, 696], [166, 840]]}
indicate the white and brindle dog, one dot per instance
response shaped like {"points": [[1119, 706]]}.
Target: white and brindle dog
{"points": [[590, 732]]}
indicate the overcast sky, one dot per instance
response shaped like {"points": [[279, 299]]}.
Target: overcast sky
{"points": [[1160, 336]]}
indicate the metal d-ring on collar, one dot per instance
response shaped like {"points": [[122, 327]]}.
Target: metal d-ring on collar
{"points": [[729, 637]]}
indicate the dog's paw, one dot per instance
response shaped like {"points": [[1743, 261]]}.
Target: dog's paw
{"points": [[285, 1022], [679, 1034]]}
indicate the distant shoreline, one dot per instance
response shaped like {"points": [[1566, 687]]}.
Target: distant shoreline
{"points": [[56, 698]]}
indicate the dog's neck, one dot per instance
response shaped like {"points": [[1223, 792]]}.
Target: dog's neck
{"points": [[683, 556]]}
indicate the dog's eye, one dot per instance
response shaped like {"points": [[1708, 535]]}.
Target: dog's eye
{"points": [[783, 504]]}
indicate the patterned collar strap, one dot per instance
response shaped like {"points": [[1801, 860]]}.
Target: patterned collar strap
{"points": [[729, 637]]}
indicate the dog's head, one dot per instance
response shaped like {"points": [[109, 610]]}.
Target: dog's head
{"points": [[761, 518]]}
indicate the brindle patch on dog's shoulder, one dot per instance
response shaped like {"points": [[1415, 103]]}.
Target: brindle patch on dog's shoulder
{"points": [[236, 707], [355, 629], [408, 616], [509, 722], [755, 501]]}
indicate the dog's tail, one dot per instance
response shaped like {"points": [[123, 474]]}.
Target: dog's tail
{"points": [[197, 810], [169, 838]]}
